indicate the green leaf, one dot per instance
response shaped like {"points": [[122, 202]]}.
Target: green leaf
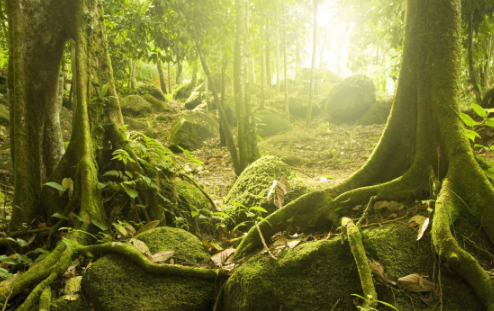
{"points": [[222, 215], [479, 110], [120, 229], [241, 224], [130, 192], [492, 147], [60, 216], [489, 122], [471, 134], [468, 120], [6, 259], [55, 185], [4, 273], [24, 259], [479, 146], [258, 208], [21, 242], [99, 224]]}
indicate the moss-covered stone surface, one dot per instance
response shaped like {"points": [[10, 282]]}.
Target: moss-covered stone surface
{"points": [[271, 123], [158, 105], [378, 112], [315, 275], [192, 129], [63, 304], [134, 105], [115, 283], [253, 185]]}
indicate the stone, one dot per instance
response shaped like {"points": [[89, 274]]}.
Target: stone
{"points": [[158, 105], [195, 99], [350, 99], [378, 112], [271, 123], [191, 130], [152, 90], [133, 124], [299, 106], [134, 105]]}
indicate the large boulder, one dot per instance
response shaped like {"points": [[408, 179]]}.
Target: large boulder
{"points": [[378, 112], [271, 123], [192, 129], [299, 106], [184, 91], [134, 105], [322, 274], [116, 283], [158, 105], [195, 99], [350, 99], [135, 125], [152, 90], [252, 186]]}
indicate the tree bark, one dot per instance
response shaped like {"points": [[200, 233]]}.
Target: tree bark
{"points": [[471, 68], [313, 64], [161, 76], [285, 66]]}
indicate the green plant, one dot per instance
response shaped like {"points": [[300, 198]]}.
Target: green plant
{"points": [[371, 299]]}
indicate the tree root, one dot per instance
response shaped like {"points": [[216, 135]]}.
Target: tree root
{"points": [[45, 299], [448, 249], [363, 268]]}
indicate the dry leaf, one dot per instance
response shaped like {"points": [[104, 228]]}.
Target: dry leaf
{"points": [[140, 246], [293, 242], [416, 283], [391, 206], [161, 256], [377, 269], [279, 188], [150, 225], [423, 223], [68, 183], [221, 257], [280, 243]]}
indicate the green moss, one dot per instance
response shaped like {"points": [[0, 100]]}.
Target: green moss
{"points": [[134, 105], [314, 275], [158, 105], [271, 123], [192, 129], [253, 185], [63, 304], [186, 245], [115, 283]]}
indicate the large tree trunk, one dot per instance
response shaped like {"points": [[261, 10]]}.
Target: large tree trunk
{"points": [[423, 152], [247, 141]]}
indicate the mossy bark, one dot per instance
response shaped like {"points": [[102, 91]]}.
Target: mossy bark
{"points": [[423, 152]]}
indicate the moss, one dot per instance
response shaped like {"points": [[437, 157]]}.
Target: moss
{"points": [[271, 123], [63, 304], [253, 185], [135, 105], [186, 245], [158, 105], [314, 275], [115, 283], [135, 124], [192, 129], [377, 113]]}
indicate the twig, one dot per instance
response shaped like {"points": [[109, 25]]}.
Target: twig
{"points": [[263, 241], [336, 304], [6, 301], [366, 211]]}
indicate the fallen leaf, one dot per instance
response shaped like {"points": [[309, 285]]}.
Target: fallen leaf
{"points": [[280, 243], [416, 283], [391, 206], [293, 242], [222, 256], [150, 225], [423, 223], [377, 269], [140, 246], [161, 256]]}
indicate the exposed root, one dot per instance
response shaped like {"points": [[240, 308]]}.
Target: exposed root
{"points": [[450, 252], [363, 268], [264, 242], [45, 299], [31, 300]]}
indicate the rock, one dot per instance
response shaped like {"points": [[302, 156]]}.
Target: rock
{"points": [[184, 91], [191, 130], [195, 99], [134, 105], [65, 303], [116, 283], [350, 99], [299, 107], [271, 123], [378, 112], [216, 79], [152, 90], [135, 124], [252, 186], [4, 115], [158, 105], [488, 99], [318, 275]]}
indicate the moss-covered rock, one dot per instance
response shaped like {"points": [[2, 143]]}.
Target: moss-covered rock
{"points": [[350, 99], [152, 90], [134, 124], [157, 104], [315, 275], [192, 129], [65, 304], [195, 99], [271, 123], [300, 105], [253, 185], [184, 91], [115, 283], [134, 105], [378, 112]]}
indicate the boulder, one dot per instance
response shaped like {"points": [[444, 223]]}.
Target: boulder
{"points": [[184, 91], [271, 123], [322, 274], [195, 99], [158, 105], [116, 283], [299, 107], [191, 130], [350, 99], [252, 186], [378, 112], [134, 105], [152, 90], [133, 124]]}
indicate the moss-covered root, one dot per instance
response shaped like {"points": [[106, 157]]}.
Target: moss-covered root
{"points": [[363, 268], [448, 249], [307, 212], [45, 299], [142, 261], [31, 300]]}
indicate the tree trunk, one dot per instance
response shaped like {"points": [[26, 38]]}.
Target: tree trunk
{"points": [[179, 77], [169, 75], [247, 141], [223, 93], [161, 76], [285, 67], [423, 152], [313, 64], [269, 76], [471, 68], [277, 48]]}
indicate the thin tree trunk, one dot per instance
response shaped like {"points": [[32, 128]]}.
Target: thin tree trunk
{"points": [[223, 74], [313, 65], [269, 75], [161, 76], [277, 49], [285, 67], [254, 79], [179, 71], [169, 74]]}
